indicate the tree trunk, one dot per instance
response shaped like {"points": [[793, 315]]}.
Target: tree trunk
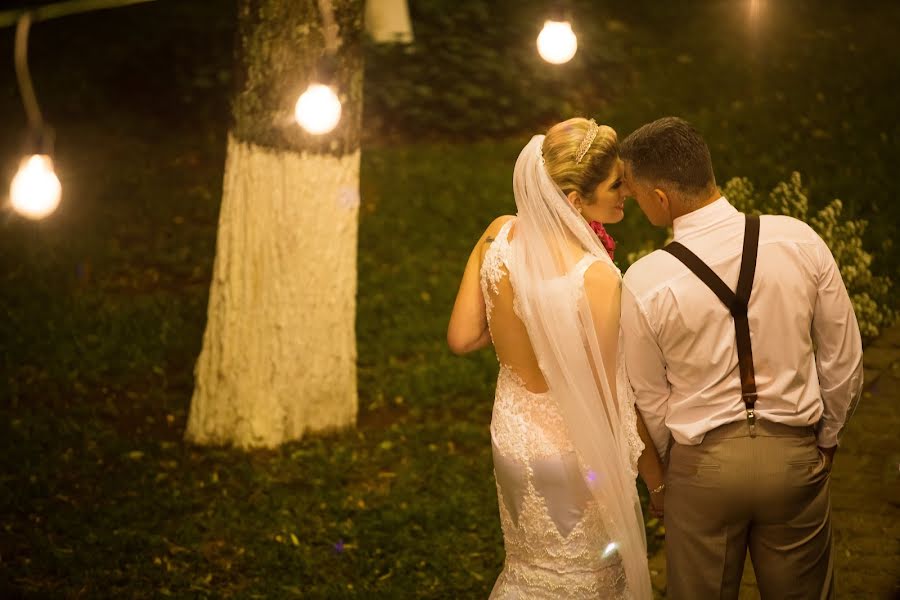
{"points": [[279, 351]]}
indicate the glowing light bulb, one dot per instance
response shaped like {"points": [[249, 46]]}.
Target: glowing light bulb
{"points": [[35, 190], [318, 109], [557, 42]]}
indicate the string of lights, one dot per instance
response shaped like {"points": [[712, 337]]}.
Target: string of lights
{"points": [[35, 191]]}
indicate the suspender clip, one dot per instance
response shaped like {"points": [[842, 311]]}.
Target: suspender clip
{"points": [[751, 421]]}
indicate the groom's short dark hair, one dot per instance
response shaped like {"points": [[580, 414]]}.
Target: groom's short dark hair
{"points": [[670, 150]]}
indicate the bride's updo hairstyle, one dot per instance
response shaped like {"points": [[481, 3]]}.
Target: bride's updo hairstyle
{"points": [[561, 152]]}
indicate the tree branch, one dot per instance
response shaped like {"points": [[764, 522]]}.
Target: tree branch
{"points": [[62, 9]]}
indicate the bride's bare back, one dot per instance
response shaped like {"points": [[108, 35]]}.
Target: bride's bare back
{"points": [[510, 337]]}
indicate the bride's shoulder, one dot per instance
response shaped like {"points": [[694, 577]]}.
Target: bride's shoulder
{"points": [[496, 225], [601, 275]]}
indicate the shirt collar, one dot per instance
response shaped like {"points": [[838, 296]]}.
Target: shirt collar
{"points": [[703, 218]]}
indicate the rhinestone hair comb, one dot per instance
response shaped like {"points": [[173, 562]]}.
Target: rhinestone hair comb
{"points": [[589, 136]]}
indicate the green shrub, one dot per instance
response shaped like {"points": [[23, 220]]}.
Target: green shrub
{"points": [[869, 293]]}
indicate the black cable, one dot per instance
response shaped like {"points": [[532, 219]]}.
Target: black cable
{"points": [[26, 89]]}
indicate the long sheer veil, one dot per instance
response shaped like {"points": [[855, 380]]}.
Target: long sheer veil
{"points": [[550, 239]]}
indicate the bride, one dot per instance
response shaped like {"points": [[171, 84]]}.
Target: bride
{"points": [[567, 443]]}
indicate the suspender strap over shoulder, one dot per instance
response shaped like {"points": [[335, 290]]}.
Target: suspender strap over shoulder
{"points": [[736, 302]]}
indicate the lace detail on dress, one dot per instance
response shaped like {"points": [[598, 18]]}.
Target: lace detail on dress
{"points": [[554, 531], [493, 267], [628, 403]]}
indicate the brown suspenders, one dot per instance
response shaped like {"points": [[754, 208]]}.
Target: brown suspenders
{"points": [[737, 303]]}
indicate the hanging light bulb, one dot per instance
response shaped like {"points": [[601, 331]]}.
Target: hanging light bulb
{"points": [[557, 43], [35, 189], [318, 109]]}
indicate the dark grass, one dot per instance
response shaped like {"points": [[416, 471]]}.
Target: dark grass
{"points": [[104, 304]]}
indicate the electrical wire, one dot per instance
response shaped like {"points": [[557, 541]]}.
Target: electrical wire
{"points": [[26, 89], [329, 27]]}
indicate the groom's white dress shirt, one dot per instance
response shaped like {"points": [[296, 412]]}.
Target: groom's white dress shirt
{"points": [[679, 339]]}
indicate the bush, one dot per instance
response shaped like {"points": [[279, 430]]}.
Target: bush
{"points": [[869, 293]]}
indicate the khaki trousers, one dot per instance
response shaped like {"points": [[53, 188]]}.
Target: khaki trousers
{"points": [[769, 494]]}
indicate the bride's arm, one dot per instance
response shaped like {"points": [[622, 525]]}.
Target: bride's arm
{"points": [[603, 289], [650, 467], [468, 328]]}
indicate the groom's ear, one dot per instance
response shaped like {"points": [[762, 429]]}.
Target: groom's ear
{"points": [[662, 197]]}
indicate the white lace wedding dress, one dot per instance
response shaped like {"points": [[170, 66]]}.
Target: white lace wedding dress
{"points": [[555, 534]]}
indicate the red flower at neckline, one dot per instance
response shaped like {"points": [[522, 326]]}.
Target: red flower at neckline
{"points": [[607, 240]]}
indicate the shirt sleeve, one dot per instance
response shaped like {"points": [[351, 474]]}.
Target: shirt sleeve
{"points": [[646, 369], [838, 344]]}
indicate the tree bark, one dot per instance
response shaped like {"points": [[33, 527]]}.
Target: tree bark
{"points": [[279, 351]]}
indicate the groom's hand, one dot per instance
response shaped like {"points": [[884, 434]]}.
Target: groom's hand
{"points": [[828, 453]]}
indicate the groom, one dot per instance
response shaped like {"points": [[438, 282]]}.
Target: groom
{"points": [[742, 345]]}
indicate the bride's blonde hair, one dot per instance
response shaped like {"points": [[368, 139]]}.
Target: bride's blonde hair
{"points": [[561, 151]]}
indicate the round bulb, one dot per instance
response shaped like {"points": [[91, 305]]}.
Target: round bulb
{"points": [[35, 190], [318, 109], [557, 42]]}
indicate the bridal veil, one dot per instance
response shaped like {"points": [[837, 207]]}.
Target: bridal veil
{"points": [[550, 239]]}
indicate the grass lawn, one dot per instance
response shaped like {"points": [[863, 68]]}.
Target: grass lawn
{"points": [[104, 304]]}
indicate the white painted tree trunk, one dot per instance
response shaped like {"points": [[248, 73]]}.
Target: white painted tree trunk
{"points": [[279, 351]]}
